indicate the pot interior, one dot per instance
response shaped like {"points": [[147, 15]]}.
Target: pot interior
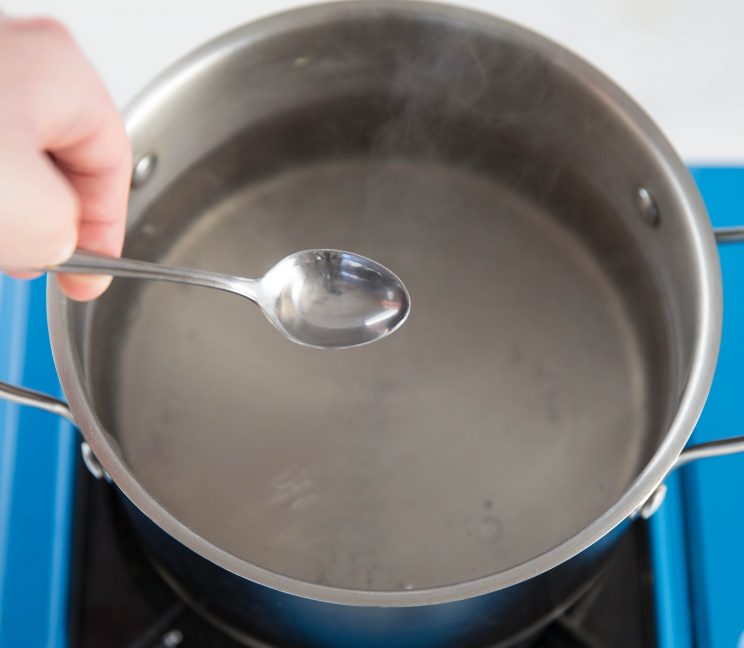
{"points": [[551, 325]]}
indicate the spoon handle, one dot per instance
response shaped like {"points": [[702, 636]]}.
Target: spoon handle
{"points": [[82, 262]]}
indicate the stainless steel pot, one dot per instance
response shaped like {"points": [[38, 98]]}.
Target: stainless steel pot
{"points": [[460, 481]]}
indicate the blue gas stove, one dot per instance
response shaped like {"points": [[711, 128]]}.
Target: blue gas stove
{"points": [[69, 578]]}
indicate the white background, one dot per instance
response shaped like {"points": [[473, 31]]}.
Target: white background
{"points": [[683, 60]]}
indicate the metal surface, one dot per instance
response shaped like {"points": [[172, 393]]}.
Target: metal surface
{"points": [[648, 207], [119, 601], [715, 448], [733, 234], [463, 462], [368, 455], [255, 614], [90, 461], [379, 151], [39, 400], [328, 299], [653, 503], [707, 450], [143, 170]]}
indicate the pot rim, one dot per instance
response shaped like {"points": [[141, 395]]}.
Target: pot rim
{"points": [[704, 355]]}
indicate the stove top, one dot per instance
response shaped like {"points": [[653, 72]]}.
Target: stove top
{"points": [[70, 575], [119, 601]]}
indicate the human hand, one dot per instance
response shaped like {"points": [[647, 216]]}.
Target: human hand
{"points": [[65, 159]]}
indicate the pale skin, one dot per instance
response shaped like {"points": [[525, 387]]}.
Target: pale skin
{"points": [[65, 159]]}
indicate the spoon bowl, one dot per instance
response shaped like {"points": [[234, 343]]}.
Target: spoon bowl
{"points": [[333, 299]]}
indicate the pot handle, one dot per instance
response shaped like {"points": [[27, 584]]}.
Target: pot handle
{"points": [[23, 396], [39, 400], [717, 448], [729, 234]]}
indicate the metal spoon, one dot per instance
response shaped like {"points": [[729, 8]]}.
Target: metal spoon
{"points": [[317, 298]]}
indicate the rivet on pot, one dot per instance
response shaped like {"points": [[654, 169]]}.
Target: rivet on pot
{"points": [[90, 461], [143, 170], [653, 503], [648, 208]]}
